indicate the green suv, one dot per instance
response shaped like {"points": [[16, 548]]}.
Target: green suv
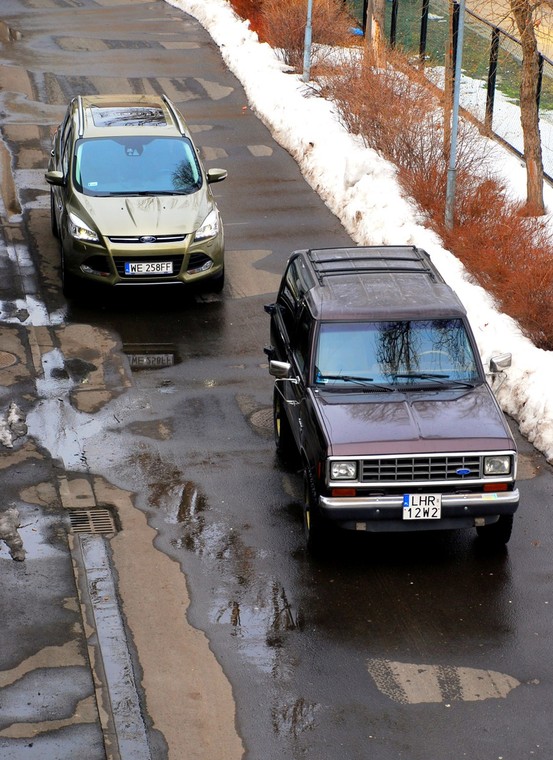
{"points": [[130, 200]]}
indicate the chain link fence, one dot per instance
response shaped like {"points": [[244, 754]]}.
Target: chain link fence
{"points": [[491, 62]]}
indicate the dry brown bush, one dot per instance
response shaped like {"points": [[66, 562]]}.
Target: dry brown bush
{"points": [[251, 10], [284, 26]]}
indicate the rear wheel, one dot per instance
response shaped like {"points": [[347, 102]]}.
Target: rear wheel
{"points": [[498, 533]]}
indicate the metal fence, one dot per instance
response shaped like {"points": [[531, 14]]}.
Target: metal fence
{"points": [[491, 65]]}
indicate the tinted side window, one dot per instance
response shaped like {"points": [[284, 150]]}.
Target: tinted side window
{"points": [[301, 341]]}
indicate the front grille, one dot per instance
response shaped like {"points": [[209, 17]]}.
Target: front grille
{"points": [[420, 469], [143, 239], [119, 262]]}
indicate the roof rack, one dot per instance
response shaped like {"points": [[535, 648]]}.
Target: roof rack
{"points": [[80, 126], [174, 113], [419, 264]]}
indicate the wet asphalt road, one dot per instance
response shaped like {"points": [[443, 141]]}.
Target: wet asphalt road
{"points": [[395, 647]]}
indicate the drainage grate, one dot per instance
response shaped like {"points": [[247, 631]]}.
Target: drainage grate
{"points": [[92, 521]]}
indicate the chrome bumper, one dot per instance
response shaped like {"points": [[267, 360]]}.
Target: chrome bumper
{"points": [[378, 507]]}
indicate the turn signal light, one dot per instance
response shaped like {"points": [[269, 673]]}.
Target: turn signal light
{"points": [[343, 492], [496, 487]]}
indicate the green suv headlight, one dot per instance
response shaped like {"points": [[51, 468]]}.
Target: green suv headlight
{"points": [[209, 227], [497, 465], [343, 470], [80, 231]]}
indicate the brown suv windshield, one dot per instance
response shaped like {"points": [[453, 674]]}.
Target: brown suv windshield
{"points": [[406, 352]]}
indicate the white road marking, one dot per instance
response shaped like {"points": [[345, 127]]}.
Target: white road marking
{"points": [[411, 683]]}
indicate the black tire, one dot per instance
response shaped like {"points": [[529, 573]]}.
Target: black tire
{"points": [[284, 439], [498, 533], [68, 280], [315, 528], [217, 283], [53, 223]]}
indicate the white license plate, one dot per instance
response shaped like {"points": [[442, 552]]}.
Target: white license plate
{"points": [[148, 267], [422, 506]]}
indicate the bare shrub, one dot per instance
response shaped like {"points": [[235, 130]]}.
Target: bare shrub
{"points": [[284, 25], [251, 10]]}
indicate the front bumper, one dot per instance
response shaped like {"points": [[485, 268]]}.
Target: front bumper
{"points": [[191, 262], [384, 513]]}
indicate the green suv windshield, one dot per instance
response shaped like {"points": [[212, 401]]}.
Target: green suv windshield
{"points": [[135, 166], [411, 352]]}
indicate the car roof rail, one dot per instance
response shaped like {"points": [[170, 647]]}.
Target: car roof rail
{"points": [[417, 262], [80, 116], [175, 114]]}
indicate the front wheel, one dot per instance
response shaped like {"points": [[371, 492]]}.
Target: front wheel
{"points": [[284, 439], [217, 283], [68, 280], [53, 222], [498, 533], [314, 525]]}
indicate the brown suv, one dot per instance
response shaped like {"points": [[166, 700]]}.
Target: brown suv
{"points": [[381, 398]]}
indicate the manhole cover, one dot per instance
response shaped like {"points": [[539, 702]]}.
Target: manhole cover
{"points": [[7, 359], [263, 418], [91, 521]]}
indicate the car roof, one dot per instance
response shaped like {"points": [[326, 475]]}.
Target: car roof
{"points": [[124, 115], [376, 282]]}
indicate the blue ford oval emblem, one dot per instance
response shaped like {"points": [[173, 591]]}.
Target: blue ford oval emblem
{"points": [[462, 471], [148, 239]]}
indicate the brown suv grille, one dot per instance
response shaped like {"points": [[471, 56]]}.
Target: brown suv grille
{"points": [[420, 468]]}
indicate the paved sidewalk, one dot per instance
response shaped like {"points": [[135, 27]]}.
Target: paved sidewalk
{"points": [[48, 698]]}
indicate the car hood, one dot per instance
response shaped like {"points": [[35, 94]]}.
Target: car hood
{"points": [[412, 422], [145, 215]]}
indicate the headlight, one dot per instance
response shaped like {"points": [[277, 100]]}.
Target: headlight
{"points": [[497, 465], [80, 231], [209, 227], [343, 470]]}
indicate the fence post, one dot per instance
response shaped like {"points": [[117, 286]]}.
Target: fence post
{"points": [[492, 74], [424, 29], [540, 78], [393, 26]]}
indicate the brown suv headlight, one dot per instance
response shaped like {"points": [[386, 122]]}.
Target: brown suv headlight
{"points": [[500, 464], [343, 470]]}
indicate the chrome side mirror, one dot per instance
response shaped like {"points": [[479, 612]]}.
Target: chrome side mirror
{"points": [[500, 362], [279, 369]]}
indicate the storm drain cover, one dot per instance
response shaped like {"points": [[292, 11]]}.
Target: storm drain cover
{"points": [[92, 521]]}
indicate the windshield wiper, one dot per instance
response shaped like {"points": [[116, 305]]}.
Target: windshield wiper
{"points": [[366, 382], [437, 378]]}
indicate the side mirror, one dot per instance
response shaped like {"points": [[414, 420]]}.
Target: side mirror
{"points": [[500, 362], [279, 369], [216, 175], [55, 178], [270, 308]]}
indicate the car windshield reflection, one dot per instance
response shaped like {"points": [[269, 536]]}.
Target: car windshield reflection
{"points": [[136, 165], [409, 353]]}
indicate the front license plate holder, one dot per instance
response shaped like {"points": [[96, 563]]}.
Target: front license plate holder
{"points": [[148, 267], [422, 506]]}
